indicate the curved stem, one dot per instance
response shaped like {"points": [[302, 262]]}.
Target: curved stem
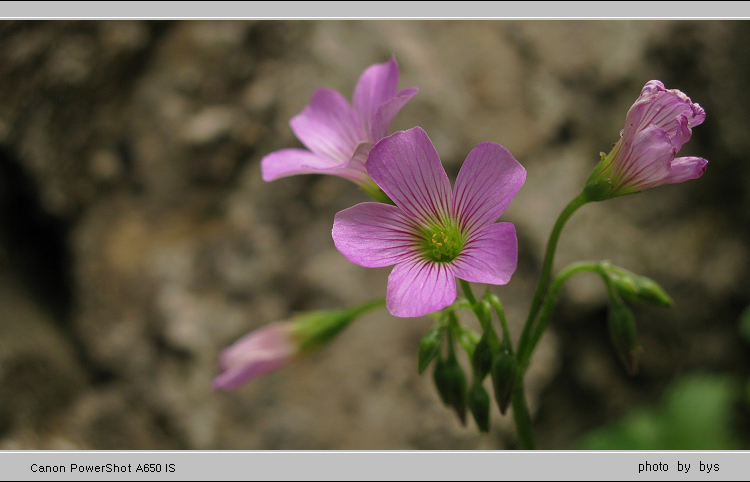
{"points": [[550, 301], [549, 258], [525, 345], [495, 302]]}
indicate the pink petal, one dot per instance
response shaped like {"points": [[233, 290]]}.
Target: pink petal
{"points": [[419, 287], [646, 162], [374, 235], [490, 256], [682, 133], [255, 354], [288, 162], [662, 107], [686, 168], [407, 168], [488, 181], [381, 123], [328, 126], [376, 85]]}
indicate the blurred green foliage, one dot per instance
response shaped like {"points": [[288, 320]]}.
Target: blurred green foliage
{"points": [[698, 412]]}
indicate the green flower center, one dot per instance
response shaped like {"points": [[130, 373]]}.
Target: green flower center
{"points": [[441, 244]]}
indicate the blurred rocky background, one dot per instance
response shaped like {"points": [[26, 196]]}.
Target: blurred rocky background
{"points": [[137, 238]]}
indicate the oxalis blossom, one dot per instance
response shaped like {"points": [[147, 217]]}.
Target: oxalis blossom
{"points": [[339, 135], [279, 344], [433, 235], [656, 127]]}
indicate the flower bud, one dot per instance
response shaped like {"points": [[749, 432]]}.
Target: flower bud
{"points": [[637, 288], [622, 330], [450, 382], [276, 345], [656, 127], [429, 348], [481, 360], [504, 372], [479, 404], [262, 351]]}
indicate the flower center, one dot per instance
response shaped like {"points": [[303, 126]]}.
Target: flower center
{"points": [[441, 244]]}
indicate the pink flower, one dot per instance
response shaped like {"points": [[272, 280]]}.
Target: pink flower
{"points": [[339, 135], [433, 235], [276, 345], [656, 127], [262, 351]]}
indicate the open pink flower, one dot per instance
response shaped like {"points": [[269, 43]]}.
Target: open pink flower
{"points": [[339, 135], [433, 235], [257, 353], [656, 127]]}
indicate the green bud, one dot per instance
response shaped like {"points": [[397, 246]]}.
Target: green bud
{"points": [[481, 360], [504, 372], [450, 382], [429, 348], [479, 404], [622, 330], [637, 288]]}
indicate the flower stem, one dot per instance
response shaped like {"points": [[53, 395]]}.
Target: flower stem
{"points": [[544, 280], [526, 342], [467, 292], [521, 416], [495, 302], [551, 299]]}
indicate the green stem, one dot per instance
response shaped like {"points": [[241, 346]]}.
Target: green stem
{"points": [[544, 280], [481, 310], [467, 292], [551, 300], [525, 345], [495, 302], [465, 337], [521, 416], [370, 305]]}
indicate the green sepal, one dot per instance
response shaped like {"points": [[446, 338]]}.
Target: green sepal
{"points": [[636, 288], [504, 372], [481, 360], [315, 329], [599, 190], [479, 404], [623, 333], [450, 382]]}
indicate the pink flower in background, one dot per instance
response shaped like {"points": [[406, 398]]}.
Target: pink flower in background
{"points": [[656, 127], [433, 235], [339, 135], [276, 345], [262, 351]]}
